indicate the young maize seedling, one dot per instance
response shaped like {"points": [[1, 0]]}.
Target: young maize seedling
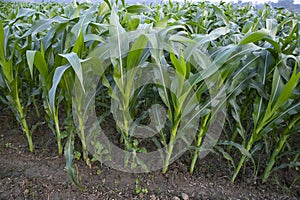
{"points": [[12, 86], [279, 96]]}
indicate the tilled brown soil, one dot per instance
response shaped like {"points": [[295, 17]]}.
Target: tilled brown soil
{"points": [[42, 175]]}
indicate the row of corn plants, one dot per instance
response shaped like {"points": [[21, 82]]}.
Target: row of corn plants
{"points": [[205, 58]]}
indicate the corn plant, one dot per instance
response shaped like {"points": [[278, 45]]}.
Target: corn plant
{"points": [[291, 128], [13, 74], [280, 95]]}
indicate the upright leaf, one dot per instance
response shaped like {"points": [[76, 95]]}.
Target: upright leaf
{"points": [[119, 44], [136, 51], [59, 71]]}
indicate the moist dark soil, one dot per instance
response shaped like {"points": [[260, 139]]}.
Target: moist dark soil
{"points": [[42, 175]]}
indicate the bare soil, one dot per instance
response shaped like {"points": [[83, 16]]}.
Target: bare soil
{"points": [[42, 175]]}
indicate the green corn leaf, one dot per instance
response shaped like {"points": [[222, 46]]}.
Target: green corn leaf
{"points": [[282, 95], [291, 109], [6, 65], [216, 33], [76, 65], [7, 70], [258, 103], [271, 25], [254, 37], [103, 9], [236, 115], [247, 27], [274, 43], [136, 51], [119, 46], [118, 37], [258, 111], [138, 9], [133, 22], [288, 89], [239, 147], [182, 39], [109, 4], [162, 23], [220, 14], [36, 58], [295, 119], [2, 47], [93, 37], [289, 39], [179, 64], [277, 86], [102, 52], [43, 24], [30, 61], [68, 152], [25, 12], [79, 45], [226, 155], [285, 165], [59, 71]]}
